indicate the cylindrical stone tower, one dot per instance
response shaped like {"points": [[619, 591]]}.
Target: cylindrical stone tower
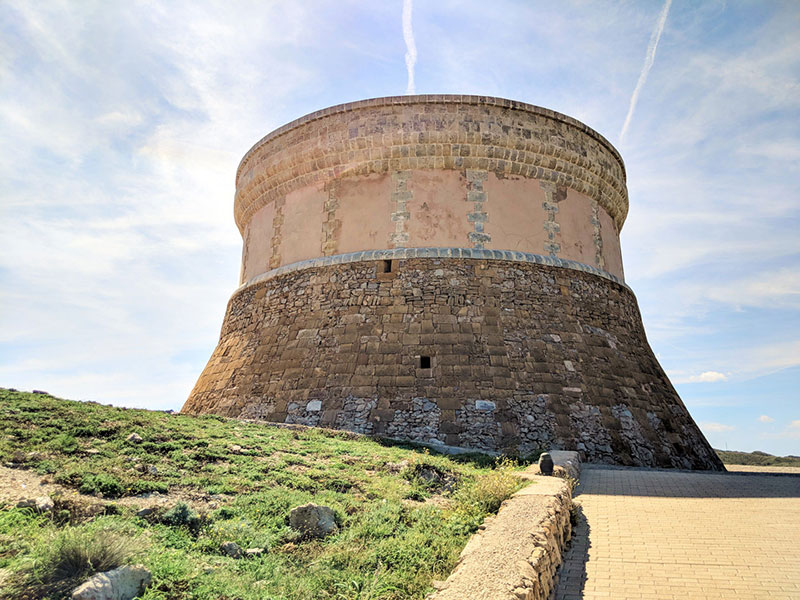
{"points": [[444, 269]]}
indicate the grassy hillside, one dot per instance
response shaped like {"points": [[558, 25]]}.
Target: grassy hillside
{"points": [[403, 514], [761, 459]]}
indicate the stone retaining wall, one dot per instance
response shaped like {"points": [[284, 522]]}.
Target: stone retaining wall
{"points": [[516, 554]]}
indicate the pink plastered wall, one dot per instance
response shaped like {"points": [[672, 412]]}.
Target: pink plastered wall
{"points": [[516, 215], [576, 232], [355, 212], [301, 231], [612, 252], [437, 209], [258, 243], [364, 212]]}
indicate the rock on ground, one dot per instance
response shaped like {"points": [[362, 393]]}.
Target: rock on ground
{"points": [[569, 460], [41, 504], [313, 520], [123, 583], [232, 549]]}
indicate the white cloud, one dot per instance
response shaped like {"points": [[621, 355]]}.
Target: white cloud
{"points": [[715, 427], [705, 377], [411, 47], [791, 432], [766, 419], [650, 57], [771, 357], [122, 131]]}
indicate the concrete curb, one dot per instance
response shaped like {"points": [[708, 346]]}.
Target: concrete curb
{"points": [[515, 555]]}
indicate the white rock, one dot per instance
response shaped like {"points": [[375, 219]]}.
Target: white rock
{"points": [[134, 438], [123, 583], [40, 504], [313, 520], [232, 549]]}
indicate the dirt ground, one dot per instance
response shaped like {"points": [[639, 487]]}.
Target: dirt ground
{"points": [[21, 484]]}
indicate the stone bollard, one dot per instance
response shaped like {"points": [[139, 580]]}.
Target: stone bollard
{"points": [[546, 464]]}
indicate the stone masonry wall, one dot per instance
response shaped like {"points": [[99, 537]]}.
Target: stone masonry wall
{"points": [[522, 357]]}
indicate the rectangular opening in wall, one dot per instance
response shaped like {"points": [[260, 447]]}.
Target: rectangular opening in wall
{"points": [[424, 362], [387, 266]]}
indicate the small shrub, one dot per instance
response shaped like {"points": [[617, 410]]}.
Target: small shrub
{"points": [[45, 467], [107, 485], [64, 443], [430, 477], [145, 487], [71, 557], [488, 491], [224, 514], [70, 478], [416, 494], [181, 515], [85, 431]]}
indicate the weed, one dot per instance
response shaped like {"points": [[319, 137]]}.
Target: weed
{"points": [[571, 482], [101, 484], [69, 558], [46, 467], [64, 443], [181, 515], [374, 587], [489, 490], [78, 553], [575, 510]]}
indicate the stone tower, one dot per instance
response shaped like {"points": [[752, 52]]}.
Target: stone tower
{"points": [[444, 269]]}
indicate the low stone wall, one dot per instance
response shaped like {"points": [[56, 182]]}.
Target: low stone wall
{"points": [[516, 554]]}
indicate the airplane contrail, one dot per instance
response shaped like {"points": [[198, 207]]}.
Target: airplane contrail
{"points": [[648, 63], [411, 48]]}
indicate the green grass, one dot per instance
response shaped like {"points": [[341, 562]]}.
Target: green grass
{"points": [[761, 459], [391, 542]]}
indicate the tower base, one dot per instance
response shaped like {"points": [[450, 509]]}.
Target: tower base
{"points": [[503, 354]]}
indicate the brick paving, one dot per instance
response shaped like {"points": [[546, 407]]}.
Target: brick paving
{"points": [[647, 534]]}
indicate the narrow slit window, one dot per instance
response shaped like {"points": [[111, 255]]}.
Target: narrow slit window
{"points": [[387, 266], [424, 362]]}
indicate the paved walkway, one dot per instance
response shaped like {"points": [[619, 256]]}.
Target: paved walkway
{"points": [[694, 536]]}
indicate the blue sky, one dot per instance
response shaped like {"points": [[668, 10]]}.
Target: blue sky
{"points": [[122, 124]]}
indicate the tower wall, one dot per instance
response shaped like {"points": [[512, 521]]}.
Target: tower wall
{"points": [[422, 171], [444, 269]]}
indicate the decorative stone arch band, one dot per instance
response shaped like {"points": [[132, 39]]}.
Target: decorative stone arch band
{"points": [[444, 269]]}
